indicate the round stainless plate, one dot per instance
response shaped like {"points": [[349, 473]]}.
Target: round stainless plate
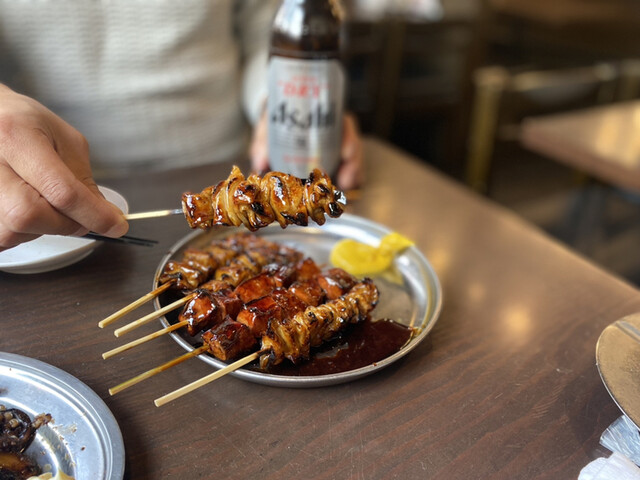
{"points": [[83, 440], [416, 300], [617, 358]]}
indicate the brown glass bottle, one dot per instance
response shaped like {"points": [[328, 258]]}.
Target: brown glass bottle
{"points": [[306, 87]]}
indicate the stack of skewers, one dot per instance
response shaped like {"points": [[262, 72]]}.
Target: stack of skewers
{"points": [[248, 298]]}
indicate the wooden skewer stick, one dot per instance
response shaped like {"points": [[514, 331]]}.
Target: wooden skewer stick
{"points": [[146, 338], [132, 306], [204, 380], [155, 371], [152, 316]]}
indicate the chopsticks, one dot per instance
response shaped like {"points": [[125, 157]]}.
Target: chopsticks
{"points": [[126, 239]]}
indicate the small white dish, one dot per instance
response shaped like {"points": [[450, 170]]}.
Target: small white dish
{"points": [[51, 252]]}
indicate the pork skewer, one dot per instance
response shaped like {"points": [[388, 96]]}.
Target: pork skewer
{"points": [[351, 307], [230, 339], [294, 339], [256, 202], [195, 268], [239, 268], [207, 308]]}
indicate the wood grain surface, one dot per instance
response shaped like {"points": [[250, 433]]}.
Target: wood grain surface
{"points": [[600, 141], [504, 387]]}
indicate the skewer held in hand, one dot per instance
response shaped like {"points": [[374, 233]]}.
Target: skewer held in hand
{"points": [[152, 316], [204, 380], [132, 306], [154, 371]]}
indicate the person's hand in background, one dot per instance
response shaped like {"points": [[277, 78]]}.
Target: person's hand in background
{"points": [[350, 172], [46, 185]]}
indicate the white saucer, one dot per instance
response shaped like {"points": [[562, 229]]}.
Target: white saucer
{"points": [[51, 252]]}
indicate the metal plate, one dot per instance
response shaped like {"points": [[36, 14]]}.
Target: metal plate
{"points": [[416, 301], [618, 361], [83, 440]]}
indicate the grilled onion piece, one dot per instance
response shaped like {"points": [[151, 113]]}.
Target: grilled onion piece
{"points": [[293, 338]]}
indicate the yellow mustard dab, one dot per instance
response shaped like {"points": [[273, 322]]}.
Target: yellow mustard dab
{"points": [[361, 260]]}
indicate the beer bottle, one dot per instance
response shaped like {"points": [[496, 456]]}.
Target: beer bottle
{"points": [[306, 83]]}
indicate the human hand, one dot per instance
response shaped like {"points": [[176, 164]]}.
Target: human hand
{"points": [[350, 172], [46, 185]]}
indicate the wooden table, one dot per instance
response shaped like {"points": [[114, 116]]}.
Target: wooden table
{"points": [[504, 387], [603, 142]]}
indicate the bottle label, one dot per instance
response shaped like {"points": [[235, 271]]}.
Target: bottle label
{"points": [[304, 108]]}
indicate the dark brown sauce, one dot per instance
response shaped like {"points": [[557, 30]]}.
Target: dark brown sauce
{"points": [[363, 344]]}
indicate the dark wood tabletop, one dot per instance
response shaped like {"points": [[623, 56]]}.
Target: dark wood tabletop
{"points": [[600, 141], [504, 387]]}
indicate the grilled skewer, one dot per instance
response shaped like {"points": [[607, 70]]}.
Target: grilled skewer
{"points": [[239, 268], [256, 202], [230, 338], [214, 300], [293, 338], [195, 268]]}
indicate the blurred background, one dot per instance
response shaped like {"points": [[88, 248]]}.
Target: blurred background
{"points": [[453, 82]]}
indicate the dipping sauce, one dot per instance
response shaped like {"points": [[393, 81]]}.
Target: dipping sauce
{"points": [[362, 344]]}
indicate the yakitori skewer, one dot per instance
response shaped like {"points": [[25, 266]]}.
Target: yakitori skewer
{"points": [[230, 338], [293, 339], [209, 306], [196, 267], [256, 202], [239, 268]]}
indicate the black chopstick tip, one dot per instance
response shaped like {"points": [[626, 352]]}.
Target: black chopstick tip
{"points": [[125, 239]]}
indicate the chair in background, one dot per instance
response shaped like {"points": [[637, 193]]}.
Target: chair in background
{"points": [[503, 98], [366, 54], [408, 81]]}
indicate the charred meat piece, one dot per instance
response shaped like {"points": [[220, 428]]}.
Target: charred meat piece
{"points": [[184, 276], [272, 277], [336, 282], [229, 339], [257, 313], [209, 308], [309, 292]]}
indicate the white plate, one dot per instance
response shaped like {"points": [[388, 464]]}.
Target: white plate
{"points": [[83, 439], [51, 252], [416, 301]]}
